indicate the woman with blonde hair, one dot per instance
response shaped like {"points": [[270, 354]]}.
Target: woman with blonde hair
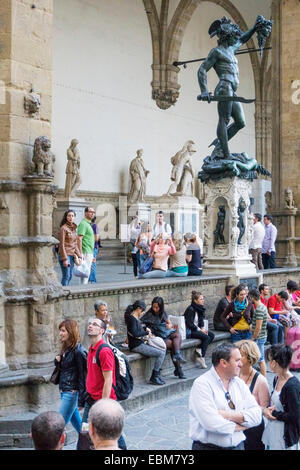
{"points": [[72, 362], [178, 264], [258, 386]]}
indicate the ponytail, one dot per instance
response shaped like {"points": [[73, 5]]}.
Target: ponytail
{"points": [[137, 304], [195, 295]]}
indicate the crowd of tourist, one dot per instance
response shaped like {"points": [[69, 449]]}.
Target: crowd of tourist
{"points": [[230, 406], [155, 252]]}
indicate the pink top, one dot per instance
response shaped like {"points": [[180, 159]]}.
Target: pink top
{"points": [[161, 255], [261, 391]]}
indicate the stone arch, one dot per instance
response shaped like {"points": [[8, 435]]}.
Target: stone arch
{"points": [[181, 18], [167, 41]]}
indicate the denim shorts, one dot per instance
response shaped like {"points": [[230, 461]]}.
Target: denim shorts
{"points": [[261, 346]]}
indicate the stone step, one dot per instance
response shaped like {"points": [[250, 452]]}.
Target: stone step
{"points": [[111, 250]]}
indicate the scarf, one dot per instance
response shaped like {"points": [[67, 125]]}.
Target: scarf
{"points": [[199, 309], [240, 306]]}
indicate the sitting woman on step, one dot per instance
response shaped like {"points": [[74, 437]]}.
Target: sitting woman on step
{"points": [[157, 320], [178, 264], [194, 322], [237, 316], [160, 249], [137, 336]]}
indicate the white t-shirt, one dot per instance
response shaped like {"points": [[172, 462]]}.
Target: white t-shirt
{"points": [[258, 236], [164, 228]]}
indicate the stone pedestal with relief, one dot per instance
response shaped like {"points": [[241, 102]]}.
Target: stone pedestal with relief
{"points": [[228, 252]]}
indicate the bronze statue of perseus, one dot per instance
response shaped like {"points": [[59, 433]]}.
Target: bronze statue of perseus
{"points": [[222, 59]]}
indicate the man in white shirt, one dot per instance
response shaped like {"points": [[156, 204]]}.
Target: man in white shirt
{"points": [[268, 246], [256, 242], [221, 405], [160, 227]]}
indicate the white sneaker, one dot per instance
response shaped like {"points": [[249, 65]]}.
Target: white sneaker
{"points": [[202, 363]]}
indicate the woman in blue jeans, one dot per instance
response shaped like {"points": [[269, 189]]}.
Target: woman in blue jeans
{"points": [[237, 316], [69, 246], [72, 362]]}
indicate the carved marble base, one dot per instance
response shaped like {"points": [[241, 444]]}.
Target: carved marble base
{"points": [[229, 257], [182, 212]]}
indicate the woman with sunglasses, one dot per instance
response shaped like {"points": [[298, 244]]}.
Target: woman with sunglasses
{"points": [[258, 386], [69, 246], [282, 421]]}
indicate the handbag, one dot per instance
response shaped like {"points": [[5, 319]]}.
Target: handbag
{"points": [[82, 270], [157, 342], [146, 266], [55, 375], [77, 260], [180, 322]]}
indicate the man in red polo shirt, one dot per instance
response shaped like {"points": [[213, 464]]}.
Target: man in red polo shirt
{"points": [[274, 327], [99, 380], [276, 310]]}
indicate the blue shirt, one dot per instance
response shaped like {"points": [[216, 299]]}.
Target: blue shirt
{"points": [[268, 243]]}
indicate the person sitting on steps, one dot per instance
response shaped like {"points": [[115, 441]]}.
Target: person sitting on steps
{"points": [[136, 339], [156, 318], [194, 321]]}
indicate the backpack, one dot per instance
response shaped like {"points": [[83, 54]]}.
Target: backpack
{"points": [[124, 384]]}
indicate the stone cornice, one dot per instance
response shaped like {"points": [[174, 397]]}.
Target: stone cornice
{"points": [[140, 286], [8, 242]]}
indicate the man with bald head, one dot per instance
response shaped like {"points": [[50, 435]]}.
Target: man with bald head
{"points": [[106, 421]]}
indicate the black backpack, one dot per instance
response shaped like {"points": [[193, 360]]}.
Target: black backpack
{"points": [[124, 385]]}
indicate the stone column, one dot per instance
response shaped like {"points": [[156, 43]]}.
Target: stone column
{"points": [[26, 262], [286, 115]]}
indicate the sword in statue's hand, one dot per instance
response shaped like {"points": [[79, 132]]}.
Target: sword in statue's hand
{"points": [[210, 97]]}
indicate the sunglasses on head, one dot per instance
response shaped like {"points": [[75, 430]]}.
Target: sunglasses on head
{"points": [[230, 402]]}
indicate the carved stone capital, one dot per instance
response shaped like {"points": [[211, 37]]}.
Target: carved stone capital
{"points": [[165, 98]]}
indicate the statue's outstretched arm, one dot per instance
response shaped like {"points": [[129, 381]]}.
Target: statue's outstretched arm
{"points": [[260, 21]]}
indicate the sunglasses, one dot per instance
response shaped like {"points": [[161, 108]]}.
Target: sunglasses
{"points": [[230, 402]]}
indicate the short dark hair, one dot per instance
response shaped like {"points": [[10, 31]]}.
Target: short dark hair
{"points": [[254, 293], [292, 285], [228, 289], [280, 353], [222, 351], [269, 217], [47, 429], [283, 294], [261, 287], [257, 216]]}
